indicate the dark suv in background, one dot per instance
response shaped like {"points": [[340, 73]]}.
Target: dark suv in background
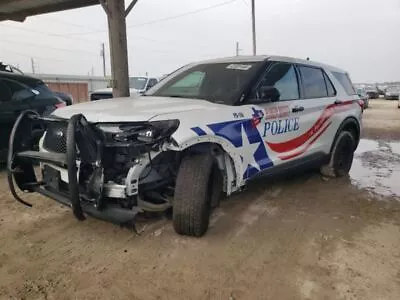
{"points": [[19, 92]]}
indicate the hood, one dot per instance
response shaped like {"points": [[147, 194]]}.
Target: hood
{"points": [[132, 109]]}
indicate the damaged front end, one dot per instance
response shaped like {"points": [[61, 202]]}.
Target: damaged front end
{"points": [[108, 171]]}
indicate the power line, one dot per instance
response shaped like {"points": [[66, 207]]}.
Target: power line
{"points": [[41, 57], [163, 19], [50, 34], [69, 23], [49, 47], [183, 14]]}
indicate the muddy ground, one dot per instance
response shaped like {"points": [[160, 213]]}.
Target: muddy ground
{"points": [[303, 237]]}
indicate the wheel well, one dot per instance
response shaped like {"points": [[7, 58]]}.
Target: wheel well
{"points": [[222, 159], [351, 125]]}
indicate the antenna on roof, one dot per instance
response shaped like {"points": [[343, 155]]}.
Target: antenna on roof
{"points": [[308, 58]]}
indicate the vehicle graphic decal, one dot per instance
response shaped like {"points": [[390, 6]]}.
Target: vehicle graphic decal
{"points": [[248, 141], [281, 126], [297, 153], [199, 131], [295, 143], [277, 112]]}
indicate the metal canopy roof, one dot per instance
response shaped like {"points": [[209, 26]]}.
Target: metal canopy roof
{"points": [[19, 10]]}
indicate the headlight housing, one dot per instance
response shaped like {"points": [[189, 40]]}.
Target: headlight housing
{"points": [[158, 130], [147, 132]]}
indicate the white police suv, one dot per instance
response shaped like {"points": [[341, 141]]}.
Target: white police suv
{"points": [[209, 127]]}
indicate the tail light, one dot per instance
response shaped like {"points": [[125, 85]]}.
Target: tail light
{"points": [[61, 104], [361, 103]]}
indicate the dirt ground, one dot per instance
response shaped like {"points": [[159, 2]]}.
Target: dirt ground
{"points": [[303, 237]]}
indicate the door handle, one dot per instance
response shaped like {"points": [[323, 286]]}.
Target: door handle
{"points": [[338, 102], [297, 109]]}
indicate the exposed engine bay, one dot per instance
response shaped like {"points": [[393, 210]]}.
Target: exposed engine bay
{"points": [[123, 166]]}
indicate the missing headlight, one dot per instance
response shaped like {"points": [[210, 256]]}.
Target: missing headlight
{"points": [[147, 132], [158, 130]]}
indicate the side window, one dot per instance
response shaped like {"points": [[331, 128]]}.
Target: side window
{"points": [[329, 86], [345, 81], [313, 82], [280, 82], [5, 92], [19, 91], [152, 82]]}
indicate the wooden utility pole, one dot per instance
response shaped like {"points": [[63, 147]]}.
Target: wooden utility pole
{"points": [[237, 49], [116, 14], [253, 23]]}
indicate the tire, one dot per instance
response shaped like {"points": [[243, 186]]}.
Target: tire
{"points": [[341, 157], [192, 200]]}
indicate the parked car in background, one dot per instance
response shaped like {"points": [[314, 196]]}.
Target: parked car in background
{"points": [[362, 93], [18, 93], [392, 93], [372, 93], [137, 86], [9, 68], [108, 93]]}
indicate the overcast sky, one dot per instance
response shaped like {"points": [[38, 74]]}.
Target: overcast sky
{"points": [[361, 36]]}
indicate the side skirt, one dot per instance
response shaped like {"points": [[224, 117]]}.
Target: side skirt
{"points": [[315, 160]]}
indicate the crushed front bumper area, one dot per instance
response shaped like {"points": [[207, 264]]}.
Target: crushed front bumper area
{"points": [[81, 140]]}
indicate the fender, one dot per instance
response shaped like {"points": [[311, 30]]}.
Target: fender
{"points": [[349, 122], [229, 149]]}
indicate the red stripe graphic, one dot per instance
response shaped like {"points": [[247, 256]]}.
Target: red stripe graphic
{"points": [[293, 155], [302, 139]]}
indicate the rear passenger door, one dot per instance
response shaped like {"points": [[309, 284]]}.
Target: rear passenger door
{"points": [[314, 111]]}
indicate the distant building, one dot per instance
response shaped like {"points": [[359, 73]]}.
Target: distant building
{"points": [[76, 85]]}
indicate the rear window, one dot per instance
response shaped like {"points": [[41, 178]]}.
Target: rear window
{"points": [[345, 81], [313, 82]]}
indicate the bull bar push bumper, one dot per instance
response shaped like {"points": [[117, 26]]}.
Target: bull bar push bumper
{"points": [[82, 140]]}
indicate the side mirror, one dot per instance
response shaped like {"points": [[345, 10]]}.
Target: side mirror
{"points": [[24, 94], [269, 94]]}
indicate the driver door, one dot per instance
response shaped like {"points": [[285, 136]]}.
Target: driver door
{"points": [[279, 117]]}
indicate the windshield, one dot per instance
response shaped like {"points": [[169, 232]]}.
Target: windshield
{"points": [[137, 83], [215, 82], [361, 92]]}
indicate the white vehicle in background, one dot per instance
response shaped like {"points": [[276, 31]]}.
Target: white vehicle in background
{"points": [[137, 86], [392, 93], [210, 127]]}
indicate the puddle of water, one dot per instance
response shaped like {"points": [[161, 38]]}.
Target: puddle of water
{"points": [[376, 167], [366, 146], [395, 147]]}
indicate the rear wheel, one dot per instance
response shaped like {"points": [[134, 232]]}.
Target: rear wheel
{"points": [[341, 157], [192, 201]]}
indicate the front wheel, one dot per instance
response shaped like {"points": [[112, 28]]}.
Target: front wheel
{"points": [[192, 200], [341, 157]]}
